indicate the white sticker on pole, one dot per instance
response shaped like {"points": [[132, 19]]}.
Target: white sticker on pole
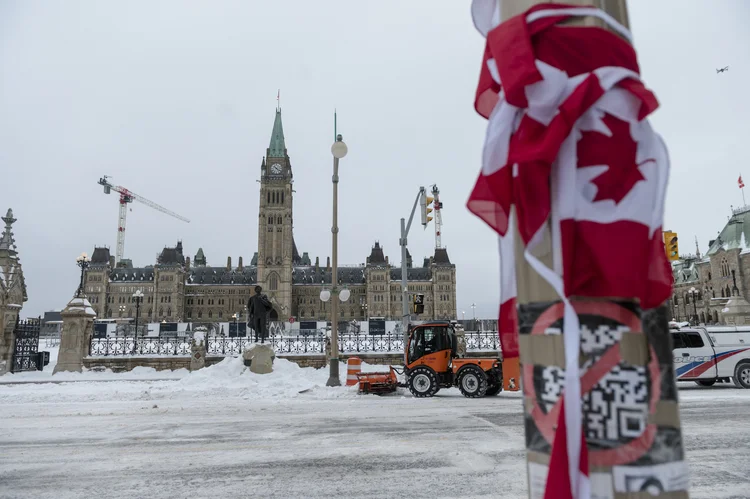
{"points": [[656, 479]]}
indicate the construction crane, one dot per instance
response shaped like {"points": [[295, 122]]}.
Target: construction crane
{"points": [[438, 216], [126, 197]]}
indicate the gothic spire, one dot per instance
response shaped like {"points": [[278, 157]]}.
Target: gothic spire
{"points": [[7, 242], [277, 148]]}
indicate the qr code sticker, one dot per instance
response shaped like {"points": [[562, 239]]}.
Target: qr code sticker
{"points": [[616, 408]]}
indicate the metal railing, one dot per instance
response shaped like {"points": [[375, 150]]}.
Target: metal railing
{"points": [[313, 343]]}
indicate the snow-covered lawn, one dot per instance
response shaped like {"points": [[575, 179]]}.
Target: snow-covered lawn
{"points": [[225, 432]]}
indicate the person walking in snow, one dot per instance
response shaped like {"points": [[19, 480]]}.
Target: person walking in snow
{"points": [[257, 307]]}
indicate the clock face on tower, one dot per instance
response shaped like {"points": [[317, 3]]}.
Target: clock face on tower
{"points": [[276, 168]]}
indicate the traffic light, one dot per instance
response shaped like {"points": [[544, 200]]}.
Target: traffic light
{"points": [[418, 304], [424, 203], [670, 245]]}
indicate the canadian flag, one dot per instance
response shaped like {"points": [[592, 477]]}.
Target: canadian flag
{"points": [[568, 147], [740, 182]]}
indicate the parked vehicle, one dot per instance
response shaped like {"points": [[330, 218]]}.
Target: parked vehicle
{"points": [[710, 354]]}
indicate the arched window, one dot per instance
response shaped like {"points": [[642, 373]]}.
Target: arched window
{"points": [[709, 275], [169, 312], [703, 318], [716, 316], [278, 220], [274, 282], [270, 220], [268, 197], [200, 314], [724, 268], [282, 197], [210, 314], [130, 312], [676, 300], [729, 293], [161, 312]]}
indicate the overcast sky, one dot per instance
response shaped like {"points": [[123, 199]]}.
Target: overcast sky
{"points": [[175, 100]]}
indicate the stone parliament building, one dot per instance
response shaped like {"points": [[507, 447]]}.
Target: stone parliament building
{"points": [[715, 288], [177, 289]]}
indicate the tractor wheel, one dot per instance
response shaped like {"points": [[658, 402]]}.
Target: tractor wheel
{"points": [[494, 390], [423, 382], [472, 382]]}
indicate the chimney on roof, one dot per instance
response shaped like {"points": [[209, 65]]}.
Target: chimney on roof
{"points": [[240, 264], [386, 260], [229, 263], [328, 263], [317, 264], [187, 263]]}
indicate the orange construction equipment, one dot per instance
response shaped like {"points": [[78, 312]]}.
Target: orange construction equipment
{"points": [[512, 374], [379, 382], [431, 364], [353, 368]]}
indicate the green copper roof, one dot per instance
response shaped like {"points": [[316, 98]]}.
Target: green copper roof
{"points": [[735, 235], [276, 149]]}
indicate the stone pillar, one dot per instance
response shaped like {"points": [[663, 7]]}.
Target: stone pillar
{"points": [[197, 352], [736, 312], [8, 319], [75, 339]]}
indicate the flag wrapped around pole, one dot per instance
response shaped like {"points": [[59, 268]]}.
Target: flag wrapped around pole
{"points": [[570, 160]]}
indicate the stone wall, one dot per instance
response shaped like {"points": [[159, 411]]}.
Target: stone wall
{"points": [[121, 364]]}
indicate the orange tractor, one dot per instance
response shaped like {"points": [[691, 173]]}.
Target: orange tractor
{"points": [[431, 364]]}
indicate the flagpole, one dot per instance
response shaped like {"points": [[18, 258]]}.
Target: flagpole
{"points": [[742, 188], [535, 296]]}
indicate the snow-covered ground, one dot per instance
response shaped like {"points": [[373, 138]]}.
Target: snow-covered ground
{"points": [[225, 432]]}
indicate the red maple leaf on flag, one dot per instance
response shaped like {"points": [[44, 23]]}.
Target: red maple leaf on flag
{"points": [[618, 153]]}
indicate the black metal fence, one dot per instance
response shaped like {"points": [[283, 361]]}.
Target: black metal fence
{"points": [[312, 343], [25, 357]]}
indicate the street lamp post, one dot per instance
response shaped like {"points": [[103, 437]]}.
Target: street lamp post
{"points": [[339, 150], [693, 294], [236, 317], [363, 306], [138, 297], [83, 261]]}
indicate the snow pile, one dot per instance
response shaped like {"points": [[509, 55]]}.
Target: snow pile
{"points": [[287, 380]]}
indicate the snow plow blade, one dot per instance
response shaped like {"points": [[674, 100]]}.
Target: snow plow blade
{"points": [[378, 382]]}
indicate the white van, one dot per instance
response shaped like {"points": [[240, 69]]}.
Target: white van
{"points": [[710, 354]]}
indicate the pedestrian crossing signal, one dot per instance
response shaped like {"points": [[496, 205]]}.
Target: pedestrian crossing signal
{"points": [[670, 245], [418, 304]]}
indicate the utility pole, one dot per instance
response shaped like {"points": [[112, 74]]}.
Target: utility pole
{"points": [[540, 292]]}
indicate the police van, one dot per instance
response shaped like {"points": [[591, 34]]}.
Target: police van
{"points": [[710, 354]]}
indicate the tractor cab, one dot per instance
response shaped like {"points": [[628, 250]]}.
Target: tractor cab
{"points": [[431, 343]]}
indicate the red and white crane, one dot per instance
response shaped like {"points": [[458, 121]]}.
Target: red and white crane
{"points": [[438, 216], [126, 197]]}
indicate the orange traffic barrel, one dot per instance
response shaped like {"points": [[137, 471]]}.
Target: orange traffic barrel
{"points": [[353, 367]]}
